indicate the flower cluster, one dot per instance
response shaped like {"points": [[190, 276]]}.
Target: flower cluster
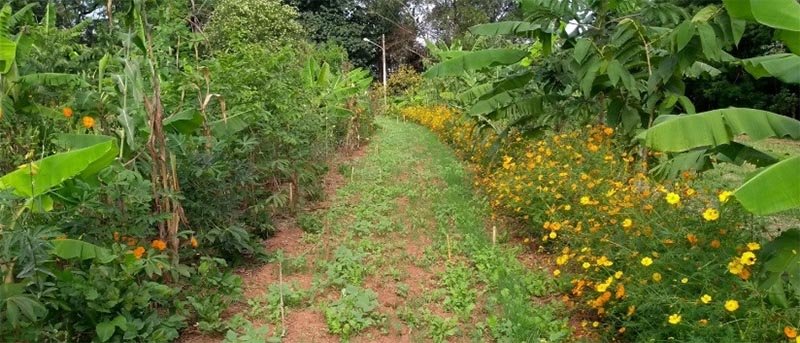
{"points": [[632, 248]]}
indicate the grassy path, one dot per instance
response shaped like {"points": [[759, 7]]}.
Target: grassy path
{"points": [[401, 254]]}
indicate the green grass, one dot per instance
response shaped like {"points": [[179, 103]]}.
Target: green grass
{"points": [[408, 204]]}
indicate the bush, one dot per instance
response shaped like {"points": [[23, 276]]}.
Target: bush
{"points": [[262, 22]]}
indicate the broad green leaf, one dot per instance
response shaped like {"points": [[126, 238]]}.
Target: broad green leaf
{"points": [[785, 67], [184, 122], [227, 127], [476, 60], [775, 189], [789, 38], [504, 28], [615, 71], [492, 104], [39, 177], [779, 14], [739, 154], [8, 53], [71, 141], [705, 14], [690, 160], [70, 249], [708, 39], [472, 94], [718, 127]]}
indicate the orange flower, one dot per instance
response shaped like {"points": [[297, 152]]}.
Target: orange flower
{"points": [[193, 242], [88, 122], [715, 244], [67, 111], [691, 238], [790, 332], [138, 252], [159, 245]]}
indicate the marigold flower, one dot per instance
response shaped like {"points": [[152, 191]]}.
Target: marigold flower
{"points": [[138, 252], [159, 245], [725, 196], [608, 131], [674, 319], [673, 198], [587, 265], [67, 111], [647, 261], [790, 332], [731, 305], [715, 244], [585, 200], [193, 242], [705, 299], [87, 122], [556, 272], [735, 266], [685, 280], [691, 238], [710, 214], [618, 275], [753, 246]]}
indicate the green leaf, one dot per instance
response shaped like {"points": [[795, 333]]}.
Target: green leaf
{"points": [[184, 122], [476, 60], [781, 258], [683, 35], [718, 127], [781, 66], [105, 331], [582, 47], [492, 104], [472, 94], [739, 154], [779, 14], [8, 53], [773, 190], [18, 306], [229, 126], [705, 14], [789, 38], [739, 9], [615, 71], [39, 177], [69, 249], [504, 28]]}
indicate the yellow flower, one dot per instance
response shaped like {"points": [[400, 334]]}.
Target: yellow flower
{"points": [[674, 319], [647, 261], [562, 260], [556, 272], [627, 223], [705, 299], [657, 277], [553, 235], [690, 192], [602, 287], [618, 275], [748, 258], [725, 196], [735, 267], [731, 305], [608, 131], [673, 198], [88, 122], [685, 280], [604, 261], [567, 207], [753, 246], [586, 265], [710, 214], [585, 200]]}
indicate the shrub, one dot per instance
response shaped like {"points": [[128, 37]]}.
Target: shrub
{"points": [[263, 22]]}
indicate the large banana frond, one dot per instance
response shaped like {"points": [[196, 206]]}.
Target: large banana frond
{"points": [[476, 60]]}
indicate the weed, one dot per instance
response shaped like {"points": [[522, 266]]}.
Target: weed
{"points": [[460, 298], [269, 306], [346, 268], [309, 223], [354, 311]]}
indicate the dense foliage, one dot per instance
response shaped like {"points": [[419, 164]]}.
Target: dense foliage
{"points": [[141, 164]]}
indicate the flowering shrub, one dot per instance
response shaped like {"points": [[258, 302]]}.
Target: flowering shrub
{"points": [[653, 260]]}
